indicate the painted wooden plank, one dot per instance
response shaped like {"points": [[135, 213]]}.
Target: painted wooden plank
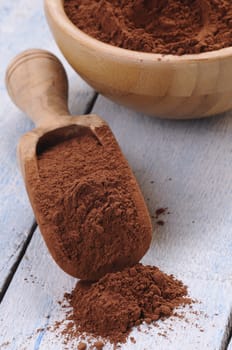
{"points": [[190, 163], [185, 166], [230, 346], [22, 26], [31, 305]]}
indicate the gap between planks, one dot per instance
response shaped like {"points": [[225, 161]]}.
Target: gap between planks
{"points": [[17, 262], [16, 214], [199, 156], [228, 335]]}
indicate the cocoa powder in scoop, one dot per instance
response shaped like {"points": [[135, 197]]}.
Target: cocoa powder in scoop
{"points": [[88, 205], [111, 307], [158, 26]]}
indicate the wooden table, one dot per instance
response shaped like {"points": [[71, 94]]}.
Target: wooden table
{"points": [[183, 165]]}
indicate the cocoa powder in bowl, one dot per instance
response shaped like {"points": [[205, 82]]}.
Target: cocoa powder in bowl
{"points": [[160, 26], [88, 205]]}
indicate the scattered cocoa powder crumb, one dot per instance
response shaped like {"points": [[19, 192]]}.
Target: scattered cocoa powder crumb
{"points": [[39, 330], [160, 222], [162, 334], [132, 339], [160, 211], [111, 307], [98, 345], [82, 346]]}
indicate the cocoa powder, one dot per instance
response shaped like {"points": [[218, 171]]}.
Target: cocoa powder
{"points": [[159, 26], [111, 307], [82, 346], [88, 205]]}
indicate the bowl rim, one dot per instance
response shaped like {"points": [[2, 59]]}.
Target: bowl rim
{"points": [[56, 10]]}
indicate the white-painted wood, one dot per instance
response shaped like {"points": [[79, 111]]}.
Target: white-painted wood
{"points": [[190, 165], [197, 156], [39, 284], [195, 243], [22, 26]]}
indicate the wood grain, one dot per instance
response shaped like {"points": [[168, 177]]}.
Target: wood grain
{"points": [[37, 83], [185, 166], [22, 25]]}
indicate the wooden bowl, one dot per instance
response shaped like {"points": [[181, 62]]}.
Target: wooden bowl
{"points": [[167, 86]]}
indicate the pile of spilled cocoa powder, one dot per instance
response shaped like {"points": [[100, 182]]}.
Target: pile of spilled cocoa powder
{"points": [[160, 26], [119, 301]]}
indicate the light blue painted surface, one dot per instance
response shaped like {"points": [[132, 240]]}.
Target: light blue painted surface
{"points": [[22, 26], [195, 243], [16, 216], [40, 284], [197, 156]]}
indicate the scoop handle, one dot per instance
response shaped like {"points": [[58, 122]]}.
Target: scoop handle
{"points": [[37, 83]]}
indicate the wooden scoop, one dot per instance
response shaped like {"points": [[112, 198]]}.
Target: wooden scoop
{"points": [[37, 83]]}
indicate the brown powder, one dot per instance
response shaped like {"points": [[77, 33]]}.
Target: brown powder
{"points": [[160, 211], [132, 339], [82, 346], [88, 205], [159, 26], [98, 345], [119, 301], [160, 222]]}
